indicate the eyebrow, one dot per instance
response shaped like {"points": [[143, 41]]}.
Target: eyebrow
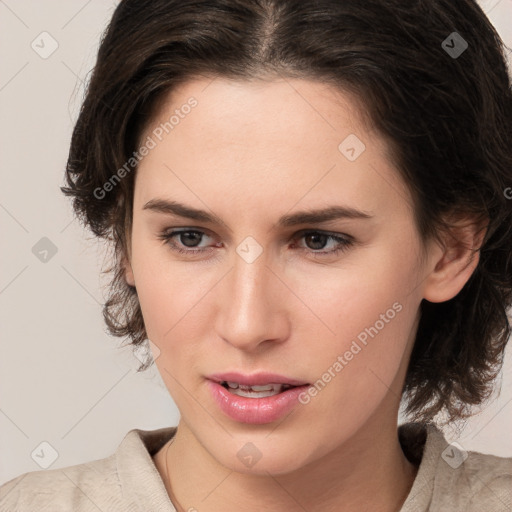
{"points": [[293, 219]]}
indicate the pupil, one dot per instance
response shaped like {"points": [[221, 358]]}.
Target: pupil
{"points": [[316, 235], [186, 234]]}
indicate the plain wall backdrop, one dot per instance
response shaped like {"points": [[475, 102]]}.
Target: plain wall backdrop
{"points": [[63, 379]]}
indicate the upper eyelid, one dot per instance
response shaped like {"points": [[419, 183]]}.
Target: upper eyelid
{"points": [[184, 229]]}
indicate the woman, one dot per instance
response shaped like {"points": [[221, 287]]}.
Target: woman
{"points": [[308, 204]]}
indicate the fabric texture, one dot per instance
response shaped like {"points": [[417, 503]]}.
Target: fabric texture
{"points": [[448, 479]]}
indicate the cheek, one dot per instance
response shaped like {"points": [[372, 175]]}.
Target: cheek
{"points": [[169, 298], [372, 311], [166, 289], [169, 302], [342, 302], [363, 373]]}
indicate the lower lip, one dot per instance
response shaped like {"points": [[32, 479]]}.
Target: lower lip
{"points": [[255, 410]]}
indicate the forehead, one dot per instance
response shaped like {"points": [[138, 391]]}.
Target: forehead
{"points": [[280, 141], [292, 115]]}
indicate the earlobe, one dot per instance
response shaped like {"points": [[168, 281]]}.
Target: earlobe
{"points": [[128, 273], [454, 263]]}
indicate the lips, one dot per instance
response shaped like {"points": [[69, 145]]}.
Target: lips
{"points": [[254, 408]]}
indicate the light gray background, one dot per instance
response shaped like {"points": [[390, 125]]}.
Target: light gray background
{"points": [[63, 380]]}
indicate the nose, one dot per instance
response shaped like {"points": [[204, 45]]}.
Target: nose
{"points": [[252, 306]]}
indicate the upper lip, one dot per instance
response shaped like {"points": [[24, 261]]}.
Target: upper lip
{"points": [[256, 379]]}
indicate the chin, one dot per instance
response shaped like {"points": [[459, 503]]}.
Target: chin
{"points": [[261, 455]]}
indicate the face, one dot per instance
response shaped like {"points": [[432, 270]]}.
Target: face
{"points": [[259, 286]]}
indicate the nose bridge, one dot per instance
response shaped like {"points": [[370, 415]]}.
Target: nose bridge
{"points": [[249, 282], [250, 309]]}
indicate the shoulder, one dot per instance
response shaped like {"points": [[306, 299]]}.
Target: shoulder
{"points": [[451, 478], [97, 485], [81, 487], [470, 480], [481, 482]]}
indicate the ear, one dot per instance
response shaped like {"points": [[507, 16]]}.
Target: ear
{"points": [[453, 262], [128, 272]]}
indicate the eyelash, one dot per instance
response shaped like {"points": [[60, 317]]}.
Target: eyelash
{"points": [[345, 243]]}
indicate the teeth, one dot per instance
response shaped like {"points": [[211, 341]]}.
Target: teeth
{"points": [[254, 394], [266, 387], [256, 391]]}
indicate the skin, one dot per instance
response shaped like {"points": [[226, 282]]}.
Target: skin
{"points": [[250, 152]]}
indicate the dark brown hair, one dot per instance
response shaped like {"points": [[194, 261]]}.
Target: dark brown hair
{"points": [[444, 108]]}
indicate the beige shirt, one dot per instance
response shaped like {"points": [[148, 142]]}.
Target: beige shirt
{"points": [[128, 480]]}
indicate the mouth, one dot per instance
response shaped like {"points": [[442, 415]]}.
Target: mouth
{"points": [[256, 399]]}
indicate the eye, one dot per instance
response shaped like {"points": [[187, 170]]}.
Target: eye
{"points": [[319, 239], [189, 239]]}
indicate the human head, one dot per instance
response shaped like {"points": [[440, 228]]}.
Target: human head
{"points": [[446, 121]]}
